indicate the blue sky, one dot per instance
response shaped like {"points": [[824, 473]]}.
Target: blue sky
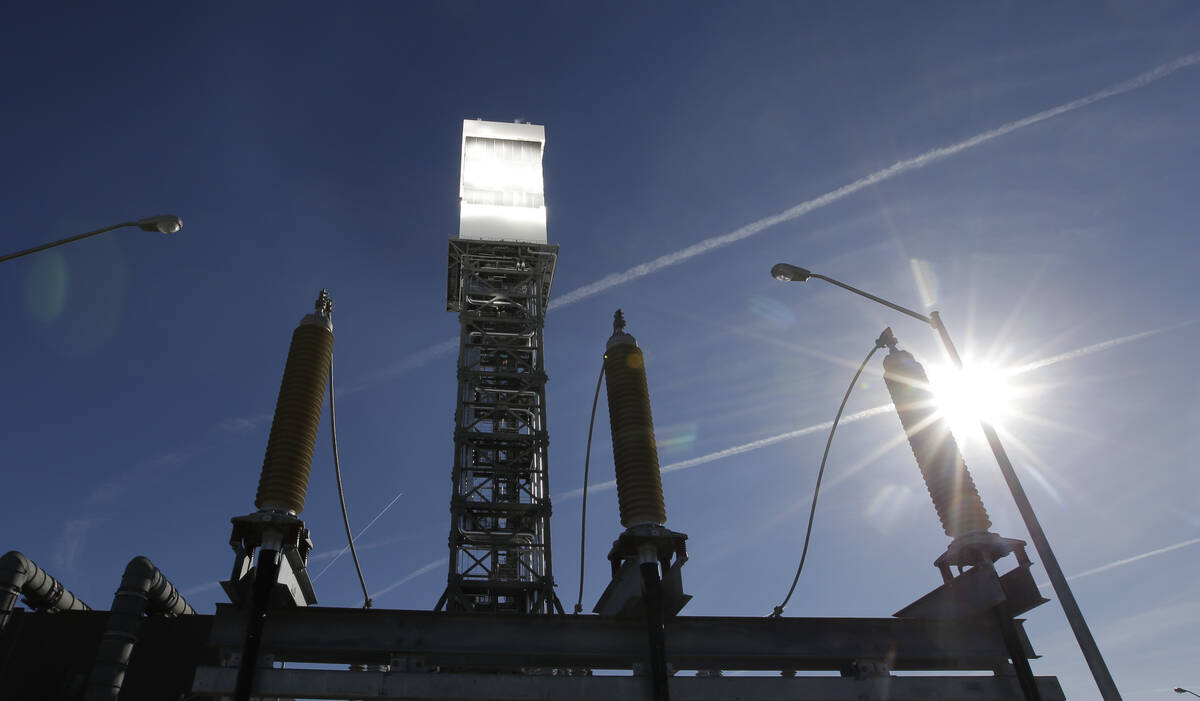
{"points": [[309, 147]]}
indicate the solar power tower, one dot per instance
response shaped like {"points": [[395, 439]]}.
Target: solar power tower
{"points": [[500, 270]]}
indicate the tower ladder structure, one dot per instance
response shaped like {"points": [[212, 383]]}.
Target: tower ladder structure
{"points": [[499, 281]]}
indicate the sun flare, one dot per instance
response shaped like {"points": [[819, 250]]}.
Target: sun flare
{"points": [[979, 392]]}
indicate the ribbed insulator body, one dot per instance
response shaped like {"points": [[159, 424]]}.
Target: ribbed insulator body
{"points": [[950, 485], [284, 481], [639, 482]]}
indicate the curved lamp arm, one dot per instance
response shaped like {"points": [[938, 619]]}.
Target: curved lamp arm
{"points": [[164, 224]]}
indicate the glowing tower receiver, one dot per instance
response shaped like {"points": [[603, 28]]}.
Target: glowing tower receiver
{"points": [[500, 270], [502, 198]]}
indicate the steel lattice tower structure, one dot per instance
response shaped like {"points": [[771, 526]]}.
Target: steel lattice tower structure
{"points": [[500, 271]]}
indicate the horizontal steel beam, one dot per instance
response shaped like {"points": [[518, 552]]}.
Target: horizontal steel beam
{"points": [[327, 684], [466, 641]]}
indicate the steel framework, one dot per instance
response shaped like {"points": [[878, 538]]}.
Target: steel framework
{"points": [[427, 656], [500, 503]]}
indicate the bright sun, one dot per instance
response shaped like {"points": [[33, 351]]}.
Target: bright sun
{"points": [[977, 392]]}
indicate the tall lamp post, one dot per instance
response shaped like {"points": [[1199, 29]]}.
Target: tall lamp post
{"points": [[1087, 644], [163, 224], [1181, 690]]}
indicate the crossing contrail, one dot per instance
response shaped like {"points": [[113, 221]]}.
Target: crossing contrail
{"points": [[899, 168], [360, 534]]}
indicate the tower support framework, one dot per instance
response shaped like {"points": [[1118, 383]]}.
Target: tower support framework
{"points": [[500, 503]]}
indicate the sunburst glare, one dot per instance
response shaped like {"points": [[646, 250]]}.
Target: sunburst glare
{"points": [[978, 392]]}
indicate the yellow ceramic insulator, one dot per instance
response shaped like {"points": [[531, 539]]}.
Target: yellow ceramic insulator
{"points": [[639, 482], [954, 495], [284, 482]]}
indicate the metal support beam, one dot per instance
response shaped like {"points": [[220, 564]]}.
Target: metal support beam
{"points": [[327, 684], [47, 651], [467, 641]]}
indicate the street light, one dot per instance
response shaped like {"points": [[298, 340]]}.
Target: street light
{"points": [[1181, 690], [163, 224], [1087, 644]]}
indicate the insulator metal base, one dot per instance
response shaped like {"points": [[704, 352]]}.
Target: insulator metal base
{"points": [[293, 587], [623, 595], [964, 593], [972, 548]]}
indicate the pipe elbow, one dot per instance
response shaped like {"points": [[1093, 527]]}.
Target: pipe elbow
{"points": [[15, 569], [146, 582], [14, 558], [140, 566], [21, 576]]}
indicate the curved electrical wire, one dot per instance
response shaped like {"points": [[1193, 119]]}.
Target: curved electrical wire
{"points": [[337, 471], [587, 458], [880, 343]]}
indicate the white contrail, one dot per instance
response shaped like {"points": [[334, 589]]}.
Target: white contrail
{"points": [[1119, 563], [199, 588], [1094, 348], [410, 576], [878, 176], [315, 557], [410, 362], [900, 167], [738, 449], [360, 533]]}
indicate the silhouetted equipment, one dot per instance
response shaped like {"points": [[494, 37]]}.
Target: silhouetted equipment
{"points": [[50, 655]]}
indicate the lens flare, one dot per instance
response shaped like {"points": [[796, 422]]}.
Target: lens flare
{"points": [[46, 287]]}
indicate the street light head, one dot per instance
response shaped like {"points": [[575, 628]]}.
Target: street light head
{"points": [[164, 224], [789, 273]]}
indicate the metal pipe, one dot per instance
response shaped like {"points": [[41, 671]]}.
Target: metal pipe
{"points": [[144, 590], [19, 576]]}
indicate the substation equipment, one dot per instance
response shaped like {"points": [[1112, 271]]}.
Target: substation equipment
{"points": [[499, 632]]}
